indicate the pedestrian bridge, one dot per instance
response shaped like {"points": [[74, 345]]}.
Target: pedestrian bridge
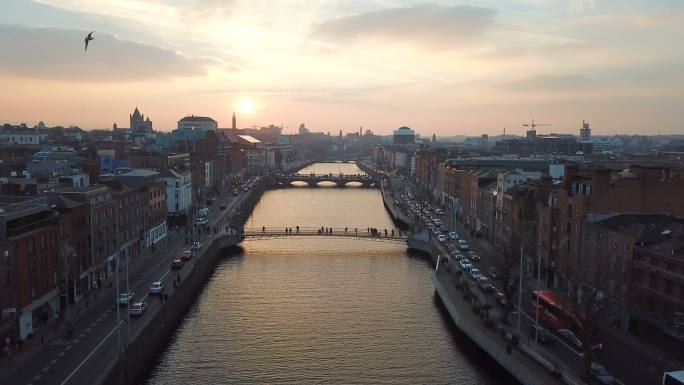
{"points": [[340, 180], [361, 234]]}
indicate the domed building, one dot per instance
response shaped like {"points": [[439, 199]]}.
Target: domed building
{"points": [[404, 135]]}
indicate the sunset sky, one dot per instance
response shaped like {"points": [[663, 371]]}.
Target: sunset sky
{"points": [[444, 67]]}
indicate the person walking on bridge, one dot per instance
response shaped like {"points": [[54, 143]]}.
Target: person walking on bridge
{"points": [[356, 231], [297, 229], [345, 230], [385, 233], [392, 233], [263, 230]]}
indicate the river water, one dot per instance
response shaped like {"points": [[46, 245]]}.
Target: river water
{"points": [[321, 310]]}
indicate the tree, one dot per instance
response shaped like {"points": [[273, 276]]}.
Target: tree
{"points": [[591, 307], [509, 276]]}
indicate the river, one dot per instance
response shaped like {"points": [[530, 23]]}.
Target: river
{"points": [[321, 310]]}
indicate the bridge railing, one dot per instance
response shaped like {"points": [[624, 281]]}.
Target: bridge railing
{"points": [[337, 176], [322, 231]]}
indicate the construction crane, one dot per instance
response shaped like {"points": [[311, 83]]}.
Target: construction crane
{"points": [[533, 124], [532, 132]]}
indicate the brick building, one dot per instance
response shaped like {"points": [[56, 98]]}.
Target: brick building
{"points": [[30, 246], [561, 217]]}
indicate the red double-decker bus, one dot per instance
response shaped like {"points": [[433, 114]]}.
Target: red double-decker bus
{"points": [[554, 313]]}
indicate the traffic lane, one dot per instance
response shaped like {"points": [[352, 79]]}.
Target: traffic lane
{"points": [[616, 359], [104, 352], [91, 366], [66, 356], [84, 328], [101, 332]]}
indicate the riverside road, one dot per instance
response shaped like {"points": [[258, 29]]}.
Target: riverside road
{"points": [[92, 348]]}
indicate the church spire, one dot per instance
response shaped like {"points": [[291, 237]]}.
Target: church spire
{"points": [[234, 122]]}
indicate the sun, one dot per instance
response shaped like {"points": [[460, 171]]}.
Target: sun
{"points": [[246, 106]]}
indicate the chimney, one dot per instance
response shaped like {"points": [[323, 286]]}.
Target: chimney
{"points": [[569, 176]]}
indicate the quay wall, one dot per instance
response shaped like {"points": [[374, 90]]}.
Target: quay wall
{"points": [[521, 372]]}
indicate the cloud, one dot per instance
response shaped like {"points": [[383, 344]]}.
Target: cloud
{"points": [[58, 54], [581, 5], [426, 24], [553, 83]]}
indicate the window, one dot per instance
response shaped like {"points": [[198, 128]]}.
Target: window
{"points": [[669, 287]]}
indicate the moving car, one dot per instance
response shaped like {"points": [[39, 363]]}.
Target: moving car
{"points": [[156, 287], [177, 264], [453, 236], [463, 245], [485, 284], [124, 298], [187, 255], [571, 339], [473, 255], [138, 308], [222, 207], [543, 335], [475, 274], [201, 221], [442, 238], [196, 245]]}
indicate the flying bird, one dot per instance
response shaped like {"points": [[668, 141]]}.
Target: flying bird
{"points": [[88, 38]]}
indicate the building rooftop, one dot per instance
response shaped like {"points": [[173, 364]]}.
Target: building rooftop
{"points": [[249, 139], [139, 172], [404, 131], [197, 118]]}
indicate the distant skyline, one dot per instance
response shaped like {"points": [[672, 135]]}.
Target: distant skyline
{"points": [[442, 67]]}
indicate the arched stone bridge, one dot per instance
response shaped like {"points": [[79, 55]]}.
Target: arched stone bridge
{"points": [[340, 180]]}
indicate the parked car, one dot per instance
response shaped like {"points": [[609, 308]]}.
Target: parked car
{"points": [[157, 287], [493, 271], [177, 264], [475, 274], [222, 207], [442, 238], [201, 221], [187, 255], [485, 284], [124, 298], [235, 193], [473, 256], [138, 308], [453, 236], [465, 264], [543, 335], [463, 245]]}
